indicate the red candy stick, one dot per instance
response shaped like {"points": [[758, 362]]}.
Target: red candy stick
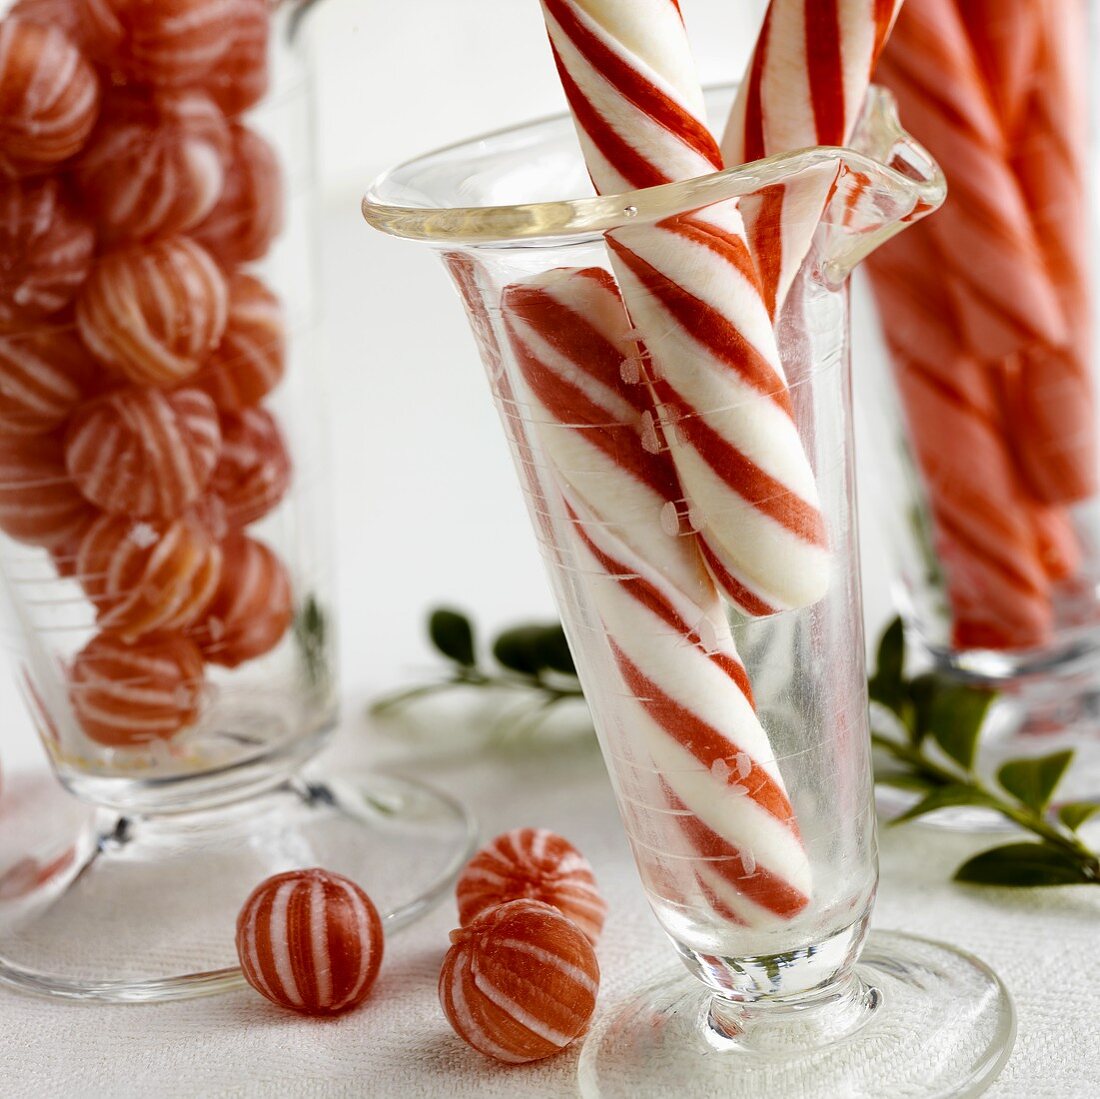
{"points": [[535, 864], [155, 164], [46, 249], [240, 80], [44, 374], [38, 503], [252, 608], [49, 96], [311, 941], [125, 695], [519, 984], [254, 472], [143, 452]]}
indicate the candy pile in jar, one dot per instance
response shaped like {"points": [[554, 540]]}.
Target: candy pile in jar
{"points": [[136, 350]]}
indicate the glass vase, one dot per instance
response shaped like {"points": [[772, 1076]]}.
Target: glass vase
{"points": [[738, 746], [164, 549], [980, 396]]}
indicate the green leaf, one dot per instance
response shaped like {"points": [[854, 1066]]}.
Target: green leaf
{"points": [[953, 714], [944, 797], [899, 780], [1075, 813], [1033, 781], [453, 635], [1023, 864], [887, 685], [922, 693], [518, 649], [552, 651]]}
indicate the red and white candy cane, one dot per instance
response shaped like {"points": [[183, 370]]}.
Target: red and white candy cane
{"points": [[805, 86], [692, 757], [691, 288]]}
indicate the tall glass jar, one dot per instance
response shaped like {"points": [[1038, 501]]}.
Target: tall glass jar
{"points": [[164, 547], [984, 416]]}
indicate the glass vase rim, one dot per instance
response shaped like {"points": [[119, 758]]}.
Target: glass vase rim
{"points": [[572, 220]]}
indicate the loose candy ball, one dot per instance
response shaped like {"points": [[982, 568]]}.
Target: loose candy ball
{"points": [[252, 608], [537, 864], [144, 577], [38, 502], [167, 43], [251, 359], [49, 97], [127, 695], [45, 250], [155, 164], [241, 77], [144, 452], [45, 372], [311, 941], [249, 215], [520, 983], [254, 471], [154, 313]]}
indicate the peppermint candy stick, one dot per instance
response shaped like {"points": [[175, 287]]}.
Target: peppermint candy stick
{"points": [[691, 288], [707, 808], [805, 86]]}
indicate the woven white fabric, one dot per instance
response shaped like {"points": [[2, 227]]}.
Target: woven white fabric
{"points": [[1044, 945]]}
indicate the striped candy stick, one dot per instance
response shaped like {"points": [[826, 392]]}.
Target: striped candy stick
{"points": [[694, 765], [691, 288], [805, 86], [984, 535]]}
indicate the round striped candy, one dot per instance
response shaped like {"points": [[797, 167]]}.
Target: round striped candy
{"points": [[536, 864], [145, 577], [311, 941], [144, 452], [155, 164], [251, 358], [49, 97], [63, 14], [46, 250], [520, 983], [240, 80], [44, 374], [154, 312], [125, 696], [252, 608], [169, 43], [254, 471], [249, 214], [38, 502]]}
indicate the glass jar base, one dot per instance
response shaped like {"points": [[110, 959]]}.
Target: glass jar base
{"points": [[922, 1020], [144, 909]]}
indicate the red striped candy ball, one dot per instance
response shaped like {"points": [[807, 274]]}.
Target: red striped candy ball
{"points": [[520, 983], [537, 864], [251, 359], [38, 501], [311, 941], [128, 695], [63, 14], [44, 374], [168, 43], [155, 164], [144, 577], [46, 250], [249, 215], [240, 80], [49, 96], [144, 452], [252, 608], [209, 512], [254, 471], [155, 312]]}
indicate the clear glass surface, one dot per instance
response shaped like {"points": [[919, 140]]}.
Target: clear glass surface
{"points": [[737, 746]]}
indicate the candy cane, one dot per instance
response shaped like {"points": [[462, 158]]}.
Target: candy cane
{"points": [[691, 288], [805, 86], [704, 794]]}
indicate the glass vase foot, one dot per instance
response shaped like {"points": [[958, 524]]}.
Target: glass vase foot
{"points": [[144, 908], [919, 1019]]}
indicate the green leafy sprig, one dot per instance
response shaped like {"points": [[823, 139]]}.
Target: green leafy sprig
{"points": [[531, 659], [933, 750]]}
